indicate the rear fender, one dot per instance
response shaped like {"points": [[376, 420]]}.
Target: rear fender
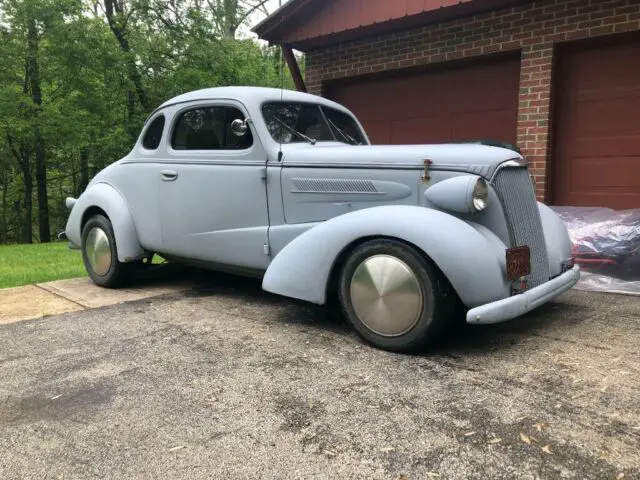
{"points": [[108, 199], [470, 256]]}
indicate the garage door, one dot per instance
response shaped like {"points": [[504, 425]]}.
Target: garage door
{"points": [[477, 101], [597, 142]]}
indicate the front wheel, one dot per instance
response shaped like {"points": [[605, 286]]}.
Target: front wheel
{"points": [[100, 255], [392, 296]]}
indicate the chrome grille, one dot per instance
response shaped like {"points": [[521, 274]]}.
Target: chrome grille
{"points": [[515, 191]]}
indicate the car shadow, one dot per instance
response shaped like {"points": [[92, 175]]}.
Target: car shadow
{"points": [[207, 283], [469, 339], [458, 338]]}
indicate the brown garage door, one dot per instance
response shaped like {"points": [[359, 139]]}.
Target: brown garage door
{"points": [[597, 142], [478, 101]]}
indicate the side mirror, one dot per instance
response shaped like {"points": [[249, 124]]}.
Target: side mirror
{"points": [[239, 127]]}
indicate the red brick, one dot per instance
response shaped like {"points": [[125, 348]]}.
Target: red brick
{"points": [[589, 24], [554, 23], [629, 9], [557, 37], [579, 18], [590, 8], [626, 27], [600, 31], [559, 7], [510, 45], [491, 49], [578, 34], [605, 14], [482, 43], [472, 52]]}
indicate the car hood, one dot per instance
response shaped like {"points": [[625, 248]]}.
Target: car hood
{"points": [[472, 158]]}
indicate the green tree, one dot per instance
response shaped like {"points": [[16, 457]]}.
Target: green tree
{"points": [[79, 78]]}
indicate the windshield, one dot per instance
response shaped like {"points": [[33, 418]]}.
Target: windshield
{"points": [[295, 122]]}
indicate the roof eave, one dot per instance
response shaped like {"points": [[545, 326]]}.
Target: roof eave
{"points": [[270, 29], [274, 20]]}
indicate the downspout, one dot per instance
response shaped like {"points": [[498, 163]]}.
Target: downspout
{"points": [[294, 68]]}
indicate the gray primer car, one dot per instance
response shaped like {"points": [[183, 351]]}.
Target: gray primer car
{"points": [[286, 186]]}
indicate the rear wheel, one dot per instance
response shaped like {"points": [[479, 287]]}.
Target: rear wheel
{"points": [[392, 296], [100, 254]]}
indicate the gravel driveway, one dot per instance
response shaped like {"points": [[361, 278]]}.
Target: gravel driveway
{"points": [[229, 382]]}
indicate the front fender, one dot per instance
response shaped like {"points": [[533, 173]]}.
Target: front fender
{"points": [[469, 255], [108, 199], [556, 238]]}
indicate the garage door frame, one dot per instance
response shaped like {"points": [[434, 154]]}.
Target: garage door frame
{"points": [[554, 168]]}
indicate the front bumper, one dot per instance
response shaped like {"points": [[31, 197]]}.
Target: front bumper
{"points": [[512, 307]]}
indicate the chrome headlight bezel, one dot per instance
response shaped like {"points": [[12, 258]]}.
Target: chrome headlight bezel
{"points": [[480, 195]]}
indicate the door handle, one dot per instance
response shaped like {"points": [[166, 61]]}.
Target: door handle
{"points": [[168, 175]]}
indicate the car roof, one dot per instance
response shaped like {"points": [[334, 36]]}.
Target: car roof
{"points": [[248, 95]]}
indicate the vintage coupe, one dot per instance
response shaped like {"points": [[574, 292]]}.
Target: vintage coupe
{"points": [[286, 186]]}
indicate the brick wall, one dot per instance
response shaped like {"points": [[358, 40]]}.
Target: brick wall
{"points": [[532, 29]]}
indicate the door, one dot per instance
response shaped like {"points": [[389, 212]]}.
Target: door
{"points": [[597, 141], [137, 182], [212, 189], [468, 102]]}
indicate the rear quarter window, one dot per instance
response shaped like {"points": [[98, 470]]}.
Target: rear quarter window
{"points": [[153, 135]]}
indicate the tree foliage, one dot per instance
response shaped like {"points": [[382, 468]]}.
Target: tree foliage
{"points": [[80, 76]]}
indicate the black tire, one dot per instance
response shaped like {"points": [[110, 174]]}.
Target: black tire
{"points": [[437, 305], [118, 273]]}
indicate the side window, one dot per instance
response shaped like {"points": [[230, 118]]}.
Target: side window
{"points": [[209, 128], [152, 137]]}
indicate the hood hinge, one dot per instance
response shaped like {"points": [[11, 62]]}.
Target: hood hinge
{"points": [[425, 175]]}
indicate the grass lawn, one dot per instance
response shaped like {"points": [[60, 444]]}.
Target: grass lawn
{"points": [[26, 264]]}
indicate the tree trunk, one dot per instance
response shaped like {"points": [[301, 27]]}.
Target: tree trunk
{"points": [[33, 70], [41, 182], [27, 217], [84, 171], [3, 233], [230, 18], [117, 23]]}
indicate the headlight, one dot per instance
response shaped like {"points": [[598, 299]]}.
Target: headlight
{"points": [[463, 193], [480, 195]]}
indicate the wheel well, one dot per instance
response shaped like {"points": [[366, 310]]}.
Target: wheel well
{"points": [[90, 212], [334, 275]]}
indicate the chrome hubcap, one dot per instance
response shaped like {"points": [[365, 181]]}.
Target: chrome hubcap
{"points": [[98, 251], [386, 295]]}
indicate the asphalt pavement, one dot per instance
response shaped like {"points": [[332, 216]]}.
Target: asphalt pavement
{"points": [[225, 381]]}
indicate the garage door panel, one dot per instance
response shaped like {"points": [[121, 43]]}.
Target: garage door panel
{"points": [[611, 148], [611, 200], [411, 130], [604, 68], [462, 103], [607, 115], [625, 175], [487, 124], [379, 132], [597, 142]]}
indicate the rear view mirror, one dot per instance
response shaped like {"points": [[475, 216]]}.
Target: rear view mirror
{"points": [[239, 127]]}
